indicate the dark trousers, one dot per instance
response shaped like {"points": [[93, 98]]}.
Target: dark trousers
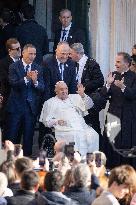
{"points": [[26, 121]]}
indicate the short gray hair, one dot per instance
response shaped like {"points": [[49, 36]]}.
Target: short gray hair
{"points": [[64, 10], [77, 47], [81, 175]]}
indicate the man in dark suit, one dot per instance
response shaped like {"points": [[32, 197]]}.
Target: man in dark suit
{"points": [[14, 53], [120, 128], [68, 32], [31, 32], [90, 75], [58, 68], [26, 79]]}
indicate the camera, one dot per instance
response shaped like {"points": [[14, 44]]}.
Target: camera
{"points": [[69, 151], [98, 160], [89, 157], [17, 149], [42, 157]]}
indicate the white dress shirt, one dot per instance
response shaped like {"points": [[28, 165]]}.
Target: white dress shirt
{"points": [[67, 32], [82, 63]]}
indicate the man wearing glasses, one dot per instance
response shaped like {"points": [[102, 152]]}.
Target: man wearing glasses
{"points": [[14, 53]]}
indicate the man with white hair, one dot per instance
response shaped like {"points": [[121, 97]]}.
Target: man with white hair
{"points": [[65, 113], [90, 75]]}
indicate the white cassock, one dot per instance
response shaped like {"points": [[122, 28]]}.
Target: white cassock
{"points": [[71, 110]]}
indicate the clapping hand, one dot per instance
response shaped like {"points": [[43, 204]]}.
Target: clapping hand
{"points": [[110, 79], [34, 75], [81, 90], [120, 83]]}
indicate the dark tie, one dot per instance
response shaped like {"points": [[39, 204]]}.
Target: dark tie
{"points": [[61, 70], [29, 88], [27, 68], [64, 34], [77, 67]]}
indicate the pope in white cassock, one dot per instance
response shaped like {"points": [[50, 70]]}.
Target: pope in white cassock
{"points": [[65, 113]]}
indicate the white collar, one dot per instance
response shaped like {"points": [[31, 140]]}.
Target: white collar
{"points": [[14, 59], [67, 28], [83, 60], [24, 64], [58, 61], [125, 71]]}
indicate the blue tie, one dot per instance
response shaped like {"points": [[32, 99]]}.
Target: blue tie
{"points": [[64, 34], [27, 68]]}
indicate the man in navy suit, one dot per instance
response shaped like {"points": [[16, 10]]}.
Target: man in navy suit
{"points": [[68, 32], [57, 68], [26, 79]]}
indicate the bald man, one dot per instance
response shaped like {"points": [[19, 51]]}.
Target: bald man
{"points": [[65, 113]]}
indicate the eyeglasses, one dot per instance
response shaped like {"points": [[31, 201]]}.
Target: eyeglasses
{"points": [[16, 49]]}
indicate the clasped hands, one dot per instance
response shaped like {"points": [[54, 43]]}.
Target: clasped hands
{"points": [[118, 83], [32, 75]]}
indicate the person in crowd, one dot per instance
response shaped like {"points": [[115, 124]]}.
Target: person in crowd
{"points": [[14, 54], [28, 187], [33, 33], [134, 50], [54, 186], [65, 113], [57, 68], [21, 165], [81, 180], [122, 181], [26, 79], [68, 31], [120, 125], [8, 30], [4, 190], [89, 74], [133, 64]]}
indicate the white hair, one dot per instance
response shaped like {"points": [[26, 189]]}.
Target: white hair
{"points": [[81, 175]]}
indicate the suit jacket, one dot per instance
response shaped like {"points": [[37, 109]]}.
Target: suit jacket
{"points": [[31, 32], [81, 194], [52, 76], [22, 197], [53, 198], [92, 79], [4, 79], [22, 94], [75, 35]]}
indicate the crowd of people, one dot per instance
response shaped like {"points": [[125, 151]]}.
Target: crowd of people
{"points": [[64, 94]]}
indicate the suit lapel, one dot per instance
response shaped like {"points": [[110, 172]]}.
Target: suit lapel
{"points": [[21, 70], [84, 72], [66, 72], [56, 69], [70, 34], [128, 79]]}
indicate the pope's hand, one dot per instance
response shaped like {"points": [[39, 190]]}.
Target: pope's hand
{"points": [[81, 90], [62, 122]]}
